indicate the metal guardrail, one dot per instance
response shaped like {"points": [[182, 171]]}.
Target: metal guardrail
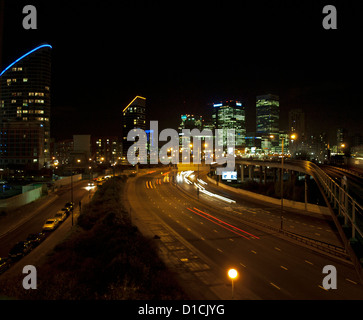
{"points": [[318, 244], [346, 206], [321, 245]]}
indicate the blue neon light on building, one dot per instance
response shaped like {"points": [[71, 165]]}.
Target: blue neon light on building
{"points": [[22, 57]]}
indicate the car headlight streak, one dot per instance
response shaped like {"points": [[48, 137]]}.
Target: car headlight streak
{"points": [[187, 175]]}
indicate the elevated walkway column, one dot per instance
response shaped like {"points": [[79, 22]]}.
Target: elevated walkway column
{"points": [[264, 174], [251, 171], [260, 174]]}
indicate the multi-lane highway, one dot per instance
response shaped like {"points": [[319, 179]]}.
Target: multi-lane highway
{"points": [[206, 237]]}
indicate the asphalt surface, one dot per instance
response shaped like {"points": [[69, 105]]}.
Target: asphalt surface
{"points": [[312, 225], [32, 217], [207, 241]]}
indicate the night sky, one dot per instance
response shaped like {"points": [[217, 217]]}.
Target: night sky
{"points": [[182, 56]]}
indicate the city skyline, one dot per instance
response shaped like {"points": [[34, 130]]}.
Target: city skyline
{"points": [[191, 68], [180, 152]]}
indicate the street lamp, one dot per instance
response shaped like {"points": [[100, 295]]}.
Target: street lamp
{"points": [[292, 137], [232, 274]]}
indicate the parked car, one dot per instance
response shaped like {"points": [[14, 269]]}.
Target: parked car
{"points": [[34, 239], [4, 264], [66, 211], [50, 224], [61, 215], [69, 205], [19, 250]]}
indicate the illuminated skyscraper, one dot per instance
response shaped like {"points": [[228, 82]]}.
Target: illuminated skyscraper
{"points": [[189, 121], [25, 98], [133, 117], [267, 114], [230, 114]]}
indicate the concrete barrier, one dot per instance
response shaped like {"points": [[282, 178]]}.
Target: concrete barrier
{"points": [[21, 199], [193, 167], [287, 203], [67, 180]]}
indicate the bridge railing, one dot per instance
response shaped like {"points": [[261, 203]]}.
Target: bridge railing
{"points": [[346, 206]]}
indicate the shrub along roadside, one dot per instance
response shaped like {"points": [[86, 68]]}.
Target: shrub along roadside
{"points": [[105, 258]]}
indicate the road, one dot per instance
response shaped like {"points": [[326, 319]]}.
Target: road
{"points": [[315, 226], [19, 232], [207, 240]]}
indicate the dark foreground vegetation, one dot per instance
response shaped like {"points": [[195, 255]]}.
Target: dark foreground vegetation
{"points": [[105, 258]]}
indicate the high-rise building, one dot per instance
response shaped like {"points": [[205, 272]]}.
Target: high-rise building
{"points": [[133, 117], [25, 98], [22, 145], [267, 114], [189, 121], [230, 114]]}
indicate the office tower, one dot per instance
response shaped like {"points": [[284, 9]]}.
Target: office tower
{"points": [[133, 117], [230, 114], [267, 115], [25, 98], [189, 121], [22, 145]]}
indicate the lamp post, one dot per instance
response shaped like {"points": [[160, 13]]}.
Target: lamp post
{"points": [[232, 274], [72, 195], [292, 137]]}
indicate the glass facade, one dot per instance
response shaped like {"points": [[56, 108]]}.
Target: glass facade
{"points": [[230, 114], [267, 114], [133, 117], [25, 97]]}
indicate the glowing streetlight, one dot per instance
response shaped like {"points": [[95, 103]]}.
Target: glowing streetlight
{"points": [[292, 137], [232, 274]]}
